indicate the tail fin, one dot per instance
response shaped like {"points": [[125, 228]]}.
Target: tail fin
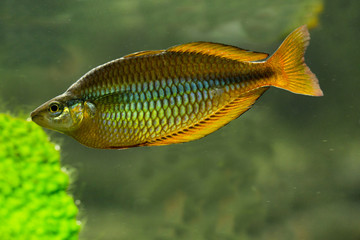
{"points": [[295, 77]]}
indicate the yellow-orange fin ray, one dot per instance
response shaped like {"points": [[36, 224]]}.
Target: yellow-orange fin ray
{"points": [[215, 121], [295, 75], [219, 50]]}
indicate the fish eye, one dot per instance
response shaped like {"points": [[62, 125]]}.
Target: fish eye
{"points": [[55, 107]]}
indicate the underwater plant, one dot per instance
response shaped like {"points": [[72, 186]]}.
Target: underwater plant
{"points": [[33, 198]]}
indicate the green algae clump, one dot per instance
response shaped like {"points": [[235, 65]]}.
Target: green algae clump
{"points": [[33, 199]]}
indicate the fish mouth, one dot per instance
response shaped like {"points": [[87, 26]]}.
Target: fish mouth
{"points": [[36, 117], [33, 114]]}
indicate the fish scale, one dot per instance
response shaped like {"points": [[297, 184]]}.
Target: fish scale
{"points": [[175, 95], [158, 114], [152, 109]]}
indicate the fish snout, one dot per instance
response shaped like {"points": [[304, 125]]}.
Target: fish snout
{"points": [[36, 115], [32, 114]]}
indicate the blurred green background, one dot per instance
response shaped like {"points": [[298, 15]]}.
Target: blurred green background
{"points": [[287, 169], [33, 185]]}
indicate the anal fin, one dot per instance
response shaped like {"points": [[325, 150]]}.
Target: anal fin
{"points": [[213, 122]]}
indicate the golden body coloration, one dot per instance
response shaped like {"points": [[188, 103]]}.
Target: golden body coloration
{"points": [[174, 95]]}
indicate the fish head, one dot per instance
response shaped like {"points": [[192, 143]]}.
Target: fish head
{"points": [[62, 113]]}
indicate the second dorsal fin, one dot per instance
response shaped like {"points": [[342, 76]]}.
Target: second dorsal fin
{"points": [[220, 50]]}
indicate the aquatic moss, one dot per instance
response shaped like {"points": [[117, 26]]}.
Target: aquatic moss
{"points": [[33, 199]]}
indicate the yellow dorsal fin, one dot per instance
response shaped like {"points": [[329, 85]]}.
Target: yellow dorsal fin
{"points": [[213, 122], [143, 53], [220, 50]]}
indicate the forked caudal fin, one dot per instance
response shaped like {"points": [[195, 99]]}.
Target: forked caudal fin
{"points": [[295, 77]]}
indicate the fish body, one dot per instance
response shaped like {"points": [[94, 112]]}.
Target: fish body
{"points": [[175, 95]]}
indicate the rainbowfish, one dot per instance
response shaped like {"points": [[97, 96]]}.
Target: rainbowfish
{"points": [[175, 95]]}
